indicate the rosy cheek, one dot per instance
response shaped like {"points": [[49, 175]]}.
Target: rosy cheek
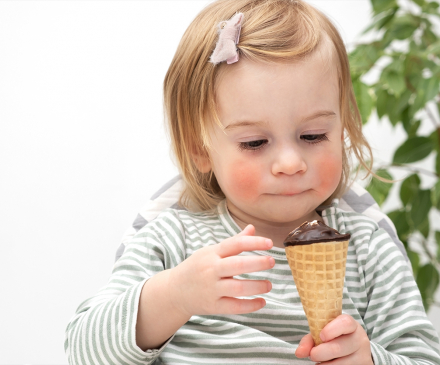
{"points": [[244, 179], [330, 170]]}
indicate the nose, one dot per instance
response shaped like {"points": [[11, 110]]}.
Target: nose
{"points": [[289, 161]]}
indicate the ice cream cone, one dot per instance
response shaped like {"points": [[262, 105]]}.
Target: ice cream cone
{"points": [[318, 269]]}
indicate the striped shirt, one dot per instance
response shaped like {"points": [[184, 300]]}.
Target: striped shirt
{"points": [[379, 292]]}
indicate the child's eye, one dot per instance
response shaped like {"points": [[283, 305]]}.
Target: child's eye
{"points": [[314, 138], [252, 145]]}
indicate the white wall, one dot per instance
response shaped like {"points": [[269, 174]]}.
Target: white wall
{"points": [[82, 147]]}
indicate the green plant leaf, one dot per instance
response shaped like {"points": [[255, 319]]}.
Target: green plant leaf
{"points": [[436, 195], [434, 136], [363, 57], [381, 20], [412, 150], [434, 48], [431, 8], [428, 37], [378, 189], [413, 70], [419, 102], [415, 261], [430, 65], [437, 238], [400, 221], [431, 86], [431, 5], [421, 205], [363, 99], [409, 188], [402, 27], [437, 164], [424, 227], [386, 19], [414, 48], [414, 128], [383, 5], [398, 64], [427, 281], [402, 102], [381, 102], [392, 71], [395, 82], [393, 113], [427, 89], [411, 126], [420, 2]]}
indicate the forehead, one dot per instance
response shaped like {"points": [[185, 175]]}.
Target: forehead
{"points": [[253, 89]]}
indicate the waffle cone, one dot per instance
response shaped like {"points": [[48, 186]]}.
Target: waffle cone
{"points": [[319, 270]]}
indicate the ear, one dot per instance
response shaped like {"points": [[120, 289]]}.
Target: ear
{"points": [[202, 161]]}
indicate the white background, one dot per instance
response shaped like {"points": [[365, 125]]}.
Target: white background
{"points": [[82, 147]]}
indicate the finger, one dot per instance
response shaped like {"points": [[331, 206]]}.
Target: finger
{"points": [[228, 305], [249, 230], [349, 360], [339, 347], [346, 360], [341, 325], [243, 288], [238, 244], [237, 265], [305, 346]]}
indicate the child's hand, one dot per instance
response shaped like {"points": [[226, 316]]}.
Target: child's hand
{"points": [[345, 342], [204, 283]]}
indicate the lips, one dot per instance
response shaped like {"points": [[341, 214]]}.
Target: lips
{"points": [[289, 193]]}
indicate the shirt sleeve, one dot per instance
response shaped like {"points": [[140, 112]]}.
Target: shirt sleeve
{"points": [[397, 325], [103, 329]]}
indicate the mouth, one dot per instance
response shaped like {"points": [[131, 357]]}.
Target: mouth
{"points": [[289, 193]]}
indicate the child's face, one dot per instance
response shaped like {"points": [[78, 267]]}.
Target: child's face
{"points": [[279, 155]]}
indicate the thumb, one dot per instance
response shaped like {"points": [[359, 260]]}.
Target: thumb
{"points": [[249, 230]]}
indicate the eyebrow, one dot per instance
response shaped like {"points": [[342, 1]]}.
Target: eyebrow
{"points": [[246, 123], [321, 113]]}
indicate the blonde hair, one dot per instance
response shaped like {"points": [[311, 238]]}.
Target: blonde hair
{"points": [[273, 31]]}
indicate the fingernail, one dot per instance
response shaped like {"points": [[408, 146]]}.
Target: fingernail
{"points": [[268, 243], [322, 337], [269, 286]]}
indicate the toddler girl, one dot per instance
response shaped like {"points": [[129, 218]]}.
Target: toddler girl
{"points": [[262, 119]]}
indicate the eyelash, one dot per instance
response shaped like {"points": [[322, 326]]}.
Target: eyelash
{"points": [[248, 145], [315, 139]]}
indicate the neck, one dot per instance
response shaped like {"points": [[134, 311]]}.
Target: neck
{"points": [[276, 231]]}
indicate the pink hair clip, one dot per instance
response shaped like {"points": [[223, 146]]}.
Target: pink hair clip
{"points": [[229, 35]]}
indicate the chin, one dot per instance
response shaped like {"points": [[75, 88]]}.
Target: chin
{"points": [[287, 216]]}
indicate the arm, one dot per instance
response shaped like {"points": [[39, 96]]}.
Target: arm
{"points": [[202, 284], [116, 325], [157, 318]]}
